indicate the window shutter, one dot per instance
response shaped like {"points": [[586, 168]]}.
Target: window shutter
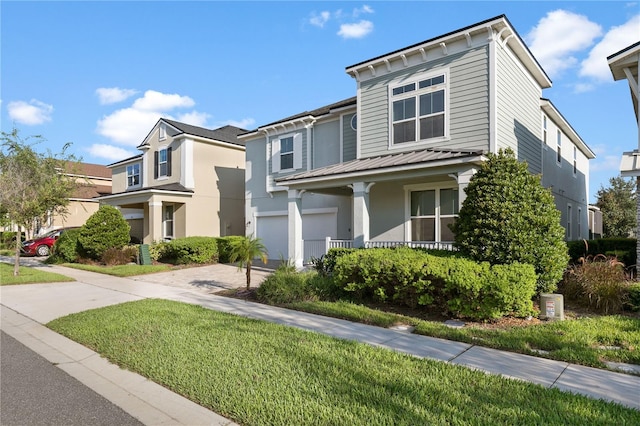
{"points": [[297, 151], [155, 165], [169, 161], [275, 155]]}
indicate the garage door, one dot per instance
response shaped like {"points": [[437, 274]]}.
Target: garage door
{"points": [[272, 230]]}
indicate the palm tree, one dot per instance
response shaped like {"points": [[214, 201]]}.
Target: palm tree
{"points": [[244, 250]]}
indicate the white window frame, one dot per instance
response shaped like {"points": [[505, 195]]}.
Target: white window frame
{"points": [[415, 94], [559, 147], [408, 189], [130, 174], [162, 132], [544, 132], [569, 214], [276, 154], [165, 222], [161, 163], [579, 222], [575, 161]]}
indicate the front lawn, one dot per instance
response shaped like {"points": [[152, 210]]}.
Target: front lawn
{"points": [[255, 372], [28, 276], [120, 270]]}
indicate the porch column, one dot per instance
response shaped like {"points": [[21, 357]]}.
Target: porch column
{"points": [[361, 213], [295, 246], [155, 221], [463, 182]]}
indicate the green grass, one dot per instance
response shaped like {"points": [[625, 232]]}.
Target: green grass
{"points": [[259, 373], [577, 341], [28, 276], [121, 270]]}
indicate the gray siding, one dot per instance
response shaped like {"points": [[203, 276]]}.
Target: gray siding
{"points": [[326, 144], [468, 104], [519, 121], [348, 139]]}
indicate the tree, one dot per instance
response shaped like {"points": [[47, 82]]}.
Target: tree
{"points": [[31, 183], [618, 206], [244, 250], [104, 229], [508, 216]]}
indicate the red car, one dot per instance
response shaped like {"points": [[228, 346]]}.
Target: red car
{"points": [[41, 246]]}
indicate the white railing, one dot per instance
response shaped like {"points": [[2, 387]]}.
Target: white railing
{"points": [[317, 248]]}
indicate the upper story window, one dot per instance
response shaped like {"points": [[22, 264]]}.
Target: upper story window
{"points": [[544, 130], [418, 110], [559, 150], [133, 175], [286, 153], [575, 160], [354, 122], [162, 162], [162, 132]]}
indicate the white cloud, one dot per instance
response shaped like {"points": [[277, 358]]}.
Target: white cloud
{"points": [[30, 113], [157, 101], [128, 126], [112, 95], [109, 152], [607, 163], [616, 39], [364, 9], [194, 118], [356, 30], [245, 123], [558, 36], [319, 20]]}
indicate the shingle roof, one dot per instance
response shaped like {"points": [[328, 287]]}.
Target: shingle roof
{"points": [[381, 162], [175, 187], [225, 134], [88, 169]]}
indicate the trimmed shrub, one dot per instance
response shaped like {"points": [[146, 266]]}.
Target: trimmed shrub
{"points": [[157, 250], [224, 247], [509, 217], [285, 286], [191, 250], [67, 247], [460, 286], [598, 282], [327, 262], [105, 229], [624, 249]]}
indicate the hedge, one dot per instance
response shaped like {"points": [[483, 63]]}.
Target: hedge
{"points": [[191, 250], [224, 247]]}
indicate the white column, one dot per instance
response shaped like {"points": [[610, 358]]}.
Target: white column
{"points": [[155, 221], [463, 182], [360, 213], [295, 246]]}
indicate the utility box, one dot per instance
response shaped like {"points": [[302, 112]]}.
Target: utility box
{"points": [[145, 257], [551, 306]]}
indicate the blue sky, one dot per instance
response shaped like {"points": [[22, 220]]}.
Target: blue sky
{"points": [[100, 74]]}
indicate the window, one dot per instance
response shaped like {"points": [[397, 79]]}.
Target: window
{"points": [[575, 160], [579, 223], [133, 175], [286, 153], [431, 212], [559, 151], [544, 130], [354, 122], [418, 110], [162, 161], [167, 221], [162, 132], [569, 222]]}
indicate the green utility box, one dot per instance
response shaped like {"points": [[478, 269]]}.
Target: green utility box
{"points": [[145, 257]]}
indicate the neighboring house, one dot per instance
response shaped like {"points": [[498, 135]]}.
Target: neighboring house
{"points": [[94, 181], [188, 181], [391, 164]]}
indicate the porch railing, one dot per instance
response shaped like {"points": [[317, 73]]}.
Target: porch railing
{"points": [[317, 248]]}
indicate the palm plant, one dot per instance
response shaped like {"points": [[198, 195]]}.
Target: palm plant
{"points": [[244, 251]]}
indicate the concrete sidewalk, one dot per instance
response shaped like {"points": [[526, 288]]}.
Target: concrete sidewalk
{"points": [[25, 308]]}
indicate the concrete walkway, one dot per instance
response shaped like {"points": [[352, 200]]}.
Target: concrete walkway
{"points": [[25, 308]]}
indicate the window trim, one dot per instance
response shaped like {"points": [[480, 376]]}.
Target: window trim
{"points": [[139, 174], [156, 163], [415, 94], [559, 147], [165, 221], [408, 189], [569, 216], [575, 161], [162, 132], [276, 154], [545, 141]]}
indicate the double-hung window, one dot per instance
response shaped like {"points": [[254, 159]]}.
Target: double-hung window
{"points": [[418, 110], [133, 175], [544, 130], [559, 147], [167, 221], [162, 163], [575, 160], [286, 153], [432, 211]]}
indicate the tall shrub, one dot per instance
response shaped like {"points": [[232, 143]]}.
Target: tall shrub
{"points": [[508, 217], [104, 229]]}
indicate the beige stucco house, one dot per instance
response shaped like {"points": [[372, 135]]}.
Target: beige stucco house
{"points": [[187, 181]]}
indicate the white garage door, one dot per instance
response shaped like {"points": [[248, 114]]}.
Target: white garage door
{"points": [[274, 231]]}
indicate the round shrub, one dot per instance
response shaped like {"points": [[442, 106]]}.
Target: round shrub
{"points": [[105, 229], [286, 286], [508, 217], [224, 247], [67, 248]]}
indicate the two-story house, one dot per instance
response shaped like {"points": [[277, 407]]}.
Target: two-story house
{"points": [[188, 181], [391, 164]]}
